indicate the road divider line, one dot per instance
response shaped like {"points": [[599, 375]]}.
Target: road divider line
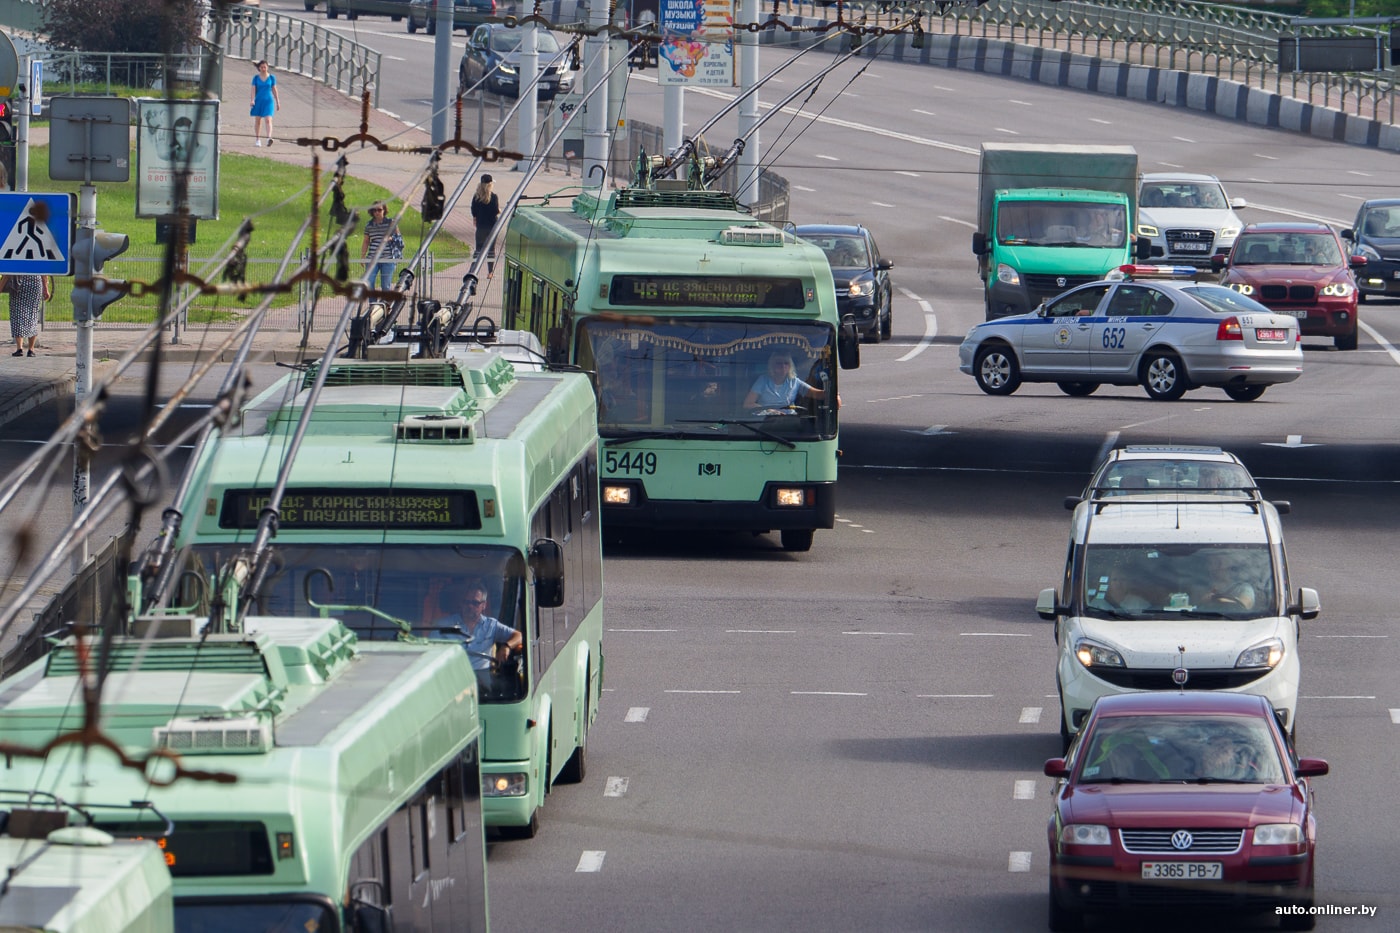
{"points": [[1336, 697], [701, 691], [877, 633], [643, 630], [1023, 790], [999, 634], [760, 631], [1019, 861], [826, 693], [637, 714], [1030, 714], [953, 696], [1375, 335], [1351, 636], [592, 860]]}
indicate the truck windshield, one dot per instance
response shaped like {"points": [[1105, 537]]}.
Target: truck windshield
{"points": [[1061, 223]]}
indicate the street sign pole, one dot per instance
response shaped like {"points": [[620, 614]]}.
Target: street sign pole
{"points": [[22, 101]]}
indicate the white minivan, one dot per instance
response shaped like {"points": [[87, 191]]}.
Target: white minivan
{"points": [[1176, 590]]}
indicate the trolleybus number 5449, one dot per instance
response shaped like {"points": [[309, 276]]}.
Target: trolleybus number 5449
{"points": [[640, 462]]}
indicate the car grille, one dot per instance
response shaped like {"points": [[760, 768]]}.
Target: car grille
{"points": [[1161, 679], [1288, 292], [1159, 841], [1048, 286], [1109, 895], [1195, 242]]}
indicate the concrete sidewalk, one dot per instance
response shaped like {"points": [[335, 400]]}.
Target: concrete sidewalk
{"points": [[309, 110]]}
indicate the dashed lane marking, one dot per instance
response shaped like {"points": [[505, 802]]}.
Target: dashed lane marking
{"points": [[1351, 636], [760, 631], [881, 204], [828, 158], [1395, 716], [908, 174], [616, 787], [826, 693], [1023, 790], [953, 696], [701, 691], [877, 633], [957, 220], [637, 714], [592, 860], [1336, 697], [1030, 714], [1019, 861], [643, 630], [1000, 634]]}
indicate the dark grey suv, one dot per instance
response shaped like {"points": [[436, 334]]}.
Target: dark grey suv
{"points": [[1376, 235], [862, 276]]}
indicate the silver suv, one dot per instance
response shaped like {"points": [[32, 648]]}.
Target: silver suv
{"points": [[1187, 217]]}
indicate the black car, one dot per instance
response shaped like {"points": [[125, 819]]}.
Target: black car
{"points": [[862, 276], [1376, 235], [494, 51], [466, 14], [354, 9]]}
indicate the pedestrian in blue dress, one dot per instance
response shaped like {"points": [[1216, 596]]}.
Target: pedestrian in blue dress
{"points": [[265, 103]]}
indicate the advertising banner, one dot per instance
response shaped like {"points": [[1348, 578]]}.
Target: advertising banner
{"points": [[698, 44], [174, 135]]}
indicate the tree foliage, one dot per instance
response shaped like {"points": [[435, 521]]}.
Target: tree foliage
{"points": [[123, 25]]}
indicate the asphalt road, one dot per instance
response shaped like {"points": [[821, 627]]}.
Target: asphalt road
{"points": [[851, 739]]}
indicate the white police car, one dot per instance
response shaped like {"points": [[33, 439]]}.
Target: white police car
{"points": [[1166, 334]]}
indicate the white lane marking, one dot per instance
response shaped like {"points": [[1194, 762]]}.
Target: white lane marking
{"points": [[881, 204], [908, 174], [999, 634], [955, 220], [1260, 155], [1024, 790], [1395, 716], [1170, 165], [1356, 172], [804, 188], [1351, 636], [637, 714], [930, 325], [829, 158], [1030, 714], [1183, 139], [760, 631], [1353, 197], [1023, 103], [1292, 213], [616, 787], [939, 87], [927, 113], [1110, 441], [592, 860], [701, 691], [1002, 129], [854, 525], [1376, 336], [952, 696], [1019, 861], [877, 633], [866, 531], [1291, 441], [635, 630], [887, 398], [826, 693], [1335, 698], [932, 430], [1097, 120]]}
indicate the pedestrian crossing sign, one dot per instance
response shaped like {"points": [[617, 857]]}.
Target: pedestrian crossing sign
{"points": [[36, 233]]}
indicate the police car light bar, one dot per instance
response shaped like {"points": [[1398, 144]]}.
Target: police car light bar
{"points": [[1139, 272]]}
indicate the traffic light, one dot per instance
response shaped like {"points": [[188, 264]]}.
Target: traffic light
{"points": [[91, 250]]}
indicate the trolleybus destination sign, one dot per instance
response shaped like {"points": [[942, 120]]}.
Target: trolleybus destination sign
{"points": [[342, 508], [706, 291]]}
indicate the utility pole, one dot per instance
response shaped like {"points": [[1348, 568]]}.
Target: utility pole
{"points": [[595, 130], [747, 192]]}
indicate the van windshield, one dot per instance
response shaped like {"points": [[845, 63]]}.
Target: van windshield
{"points": [[1214, 581]]}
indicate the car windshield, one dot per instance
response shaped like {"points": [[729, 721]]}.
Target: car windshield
{"points": [[1225, 300], [1382, 222], [505, 41], [843, 252], [1123, 477], [1181, 749], [1184, 195], [1156, 582], [1296, 249]]}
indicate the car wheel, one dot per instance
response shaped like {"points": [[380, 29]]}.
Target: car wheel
{"points": [[331, 12], [310, 6], [1163, 376], [1345, 341], [996, 370], [1361, 298], [796, 539], [1061, 919], [1244, 393], [1078, 389], [873, 334], [412, 25], [887, 322], [351, 14]]}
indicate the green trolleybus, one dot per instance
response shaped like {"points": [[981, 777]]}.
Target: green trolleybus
{"points": [[76, 879], [419, 483], [682, 305], [349, 788]]}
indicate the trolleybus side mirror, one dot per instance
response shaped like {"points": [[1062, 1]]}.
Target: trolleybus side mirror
{"points": [[371, 918], [547, 562], [556, 346], [848, 344]]}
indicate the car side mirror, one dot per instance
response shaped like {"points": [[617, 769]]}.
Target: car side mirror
{"points": [[1307, 767], [1348, 234], [1072, 501], [884, 264], [1238, 204], [1218, 262], [1056, 767], [1046, 606], [1308, 605], [1358, 261], [1281, 506]]}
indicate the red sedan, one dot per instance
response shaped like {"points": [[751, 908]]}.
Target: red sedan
{"points": [[1190, 799]]}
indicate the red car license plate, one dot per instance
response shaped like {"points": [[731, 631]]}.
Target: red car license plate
{"points": [[1270, 333]]}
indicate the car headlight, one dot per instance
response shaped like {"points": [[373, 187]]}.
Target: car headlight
{"points": [[1244, 288], [1338, 289], [1007, 275], [1265, 654], [1088, 834], [1148, 230], [505, 69], [1092, 655], [1229, 233], [860, 289], [1278, 834]]}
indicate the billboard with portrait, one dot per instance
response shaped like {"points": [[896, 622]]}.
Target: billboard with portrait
{"points": [[174, 136]]}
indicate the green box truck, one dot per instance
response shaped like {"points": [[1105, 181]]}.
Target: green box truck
{"points": [[1050, 218]]}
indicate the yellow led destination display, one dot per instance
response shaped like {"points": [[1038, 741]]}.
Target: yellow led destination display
{"points": [[706, 291], [420, 509]]}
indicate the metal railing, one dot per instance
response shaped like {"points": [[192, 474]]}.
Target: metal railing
{"points": [[303, 48]]}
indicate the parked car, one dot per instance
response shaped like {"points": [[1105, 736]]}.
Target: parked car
{"points": [[1376, 236], [1181, 799], [862, 275], [1299, 269], [494, 52], [354, 9], [1188, 218], [1167, 335], [466, 14], [1148, 469]]}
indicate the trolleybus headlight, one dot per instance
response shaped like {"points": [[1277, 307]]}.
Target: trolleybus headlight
{"points": [[617, 495], [790, 497], [503, 785]]}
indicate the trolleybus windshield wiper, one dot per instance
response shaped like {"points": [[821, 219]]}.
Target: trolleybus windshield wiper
{"points": [[761, 432]]}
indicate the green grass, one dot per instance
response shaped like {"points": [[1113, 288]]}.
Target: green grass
{"points": [[276, 196]]}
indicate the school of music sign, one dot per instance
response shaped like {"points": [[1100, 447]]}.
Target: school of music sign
{"points": [[697, 47]]}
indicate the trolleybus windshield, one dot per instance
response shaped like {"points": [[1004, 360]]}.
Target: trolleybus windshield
{"points": [[373, 587], [691, 377]]}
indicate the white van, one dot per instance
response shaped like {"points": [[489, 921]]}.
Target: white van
{"points": [[1166, 591]]}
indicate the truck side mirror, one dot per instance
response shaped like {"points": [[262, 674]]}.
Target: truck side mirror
{"points": [[979, 244]]}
